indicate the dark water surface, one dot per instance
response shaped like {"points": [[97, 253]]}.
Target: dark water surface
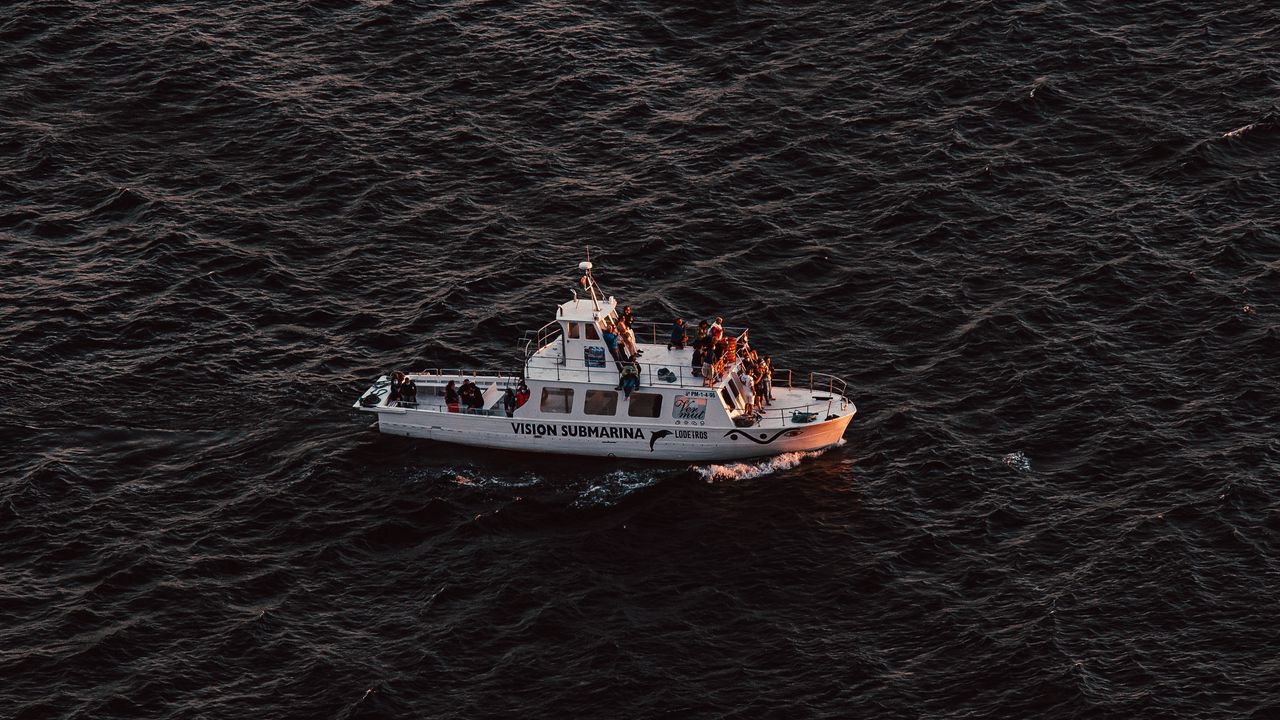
{"points": [[1039, 238]]}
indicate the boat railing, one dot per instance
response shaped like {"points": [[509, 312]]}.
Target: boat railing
{"points": [[660, 334], [434, 405], [832, 385], [807, 412], [534, 340], [795, 414], [579, 371], [504, 375]]}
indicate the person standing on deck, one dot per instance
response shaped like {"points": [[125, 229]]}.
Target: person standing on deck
{"points": [[629, 342], [678, 335], [611, 341]]}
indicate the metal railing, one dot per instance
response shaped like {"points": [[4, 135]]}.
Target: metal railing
{"points": [[575, 369], [660, 334], [832, 384], [443, 408], [534, 340]]}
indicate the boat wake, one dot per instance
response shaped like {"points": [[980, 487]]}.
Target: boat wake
{"points": [[609, 490], [758, 468]]}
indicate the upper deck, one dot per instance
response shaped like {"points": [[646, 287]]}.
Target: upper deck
{"points": [[574, 351]]}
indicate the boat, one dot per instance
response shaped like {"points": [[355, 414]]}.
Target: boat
{"points": [[573, 395]]}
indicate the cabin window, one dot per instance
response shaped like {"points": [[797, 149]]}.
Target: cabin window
{"points": [[589, 331], [732, 387], [557, 400], [601, 402], [645, 405], [726, 397], [573, 331]]}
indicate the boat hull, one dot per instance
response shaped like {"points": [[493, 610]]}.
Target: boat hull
{"points": [[649, 442]]}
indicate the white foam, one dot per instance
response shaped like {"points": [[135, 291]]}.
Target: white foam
{"points": [[612, 487], [1240, 131], [1018, 461], [750, 470]]}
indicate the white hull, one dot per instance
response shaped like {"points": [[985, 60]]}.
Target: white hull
{"points": [[576, 437]]}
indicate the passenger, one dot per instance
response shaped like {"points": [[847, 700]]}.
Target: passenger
{"points": [[768, 377], [626, 318], [451, 397], [678, 335], [471, 395], [748, 396], [716, 331], [509, 402], [611, 341], [522, 394], [709, 362], [408, 392], [699, 348], [630, 380], [397, 381], [629, 343]]}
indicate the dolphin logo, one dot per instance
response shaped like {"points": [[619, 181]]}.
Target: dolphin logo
{"points": [[653, 437]]}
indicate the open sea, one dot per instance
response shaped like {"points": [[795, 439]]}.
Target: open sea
{"points": [[1041, 239]]}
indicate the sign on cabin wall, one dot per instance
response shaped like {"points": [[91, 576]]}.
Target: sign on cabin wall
{"points": [[593, 356], [692, 409]]}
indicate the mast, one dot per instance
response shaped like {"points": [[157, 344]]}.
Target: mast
{"points": [[589, 282]]}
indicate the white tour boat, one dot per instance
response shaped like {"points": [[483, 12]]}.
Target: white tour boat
{"points": [[573, 404]]}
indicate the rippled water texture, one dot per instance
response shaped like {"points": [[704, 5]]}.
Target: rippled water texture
{"points": [[1040, 239]]}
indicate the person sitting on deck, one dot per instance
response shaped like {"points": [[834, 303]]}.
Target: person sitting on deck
{"points": [[471, 395], [509, 402], [522, 394], [678, 335], [451, 397], [629, 380]]}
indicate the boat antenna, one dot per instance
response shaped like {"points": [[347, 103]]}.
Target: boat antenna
{"points": [[588, 282]]}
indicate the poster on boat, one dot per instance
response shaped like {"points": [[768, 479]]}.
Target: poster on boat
{"points": [[593, 356], [689, 408]]}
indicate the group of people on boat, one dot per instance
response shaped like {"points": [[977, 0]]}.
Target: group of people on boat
{"points": [[512, 400], [620, 338], [468, 394], [403, 389], [755, 375]]}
